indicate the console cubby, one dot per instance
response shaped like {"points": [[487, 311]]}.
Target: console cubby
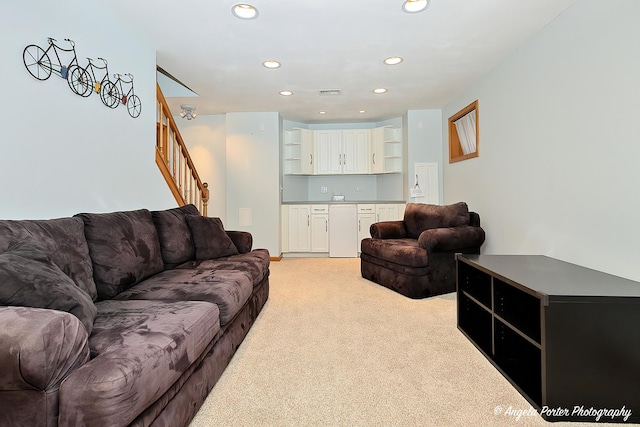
{"points": [[475, 283], [476, 322], [517, 307], [519, 359]]}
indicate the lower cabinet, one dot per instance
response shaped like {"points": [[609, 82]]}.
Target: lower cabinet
{"points": [[305, 228], [319, 228]]}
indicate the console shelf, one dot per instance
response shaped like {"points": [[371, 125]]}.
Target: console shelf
{"points": [[565, 336]]}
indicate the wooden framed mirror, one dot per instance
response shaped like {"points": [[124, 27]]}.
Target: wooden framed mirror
{"points": [[464, 136]]}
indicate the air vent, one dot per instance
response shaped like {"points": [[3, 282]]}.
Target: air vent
{"points": [[330, 92]]}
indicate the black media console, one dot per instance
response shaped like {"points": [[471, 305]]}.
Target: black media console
{"points": [[566, 337]]}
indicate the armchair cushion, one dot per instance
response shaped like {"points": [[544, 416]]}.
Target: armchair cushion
{"points": [[406, 252], [210, 239], [29, 278], [388, 230], [451, 239], [419, 217]]}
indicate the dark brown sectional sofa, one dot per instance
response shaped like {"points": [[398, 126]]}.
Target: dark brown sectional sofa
{"points": [[122, 318]]}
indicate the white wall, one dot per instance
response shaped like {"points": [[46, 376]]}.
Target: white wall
{"points": [[423, 132], [62, 154], [205, 138], [559, 152], [253, 176]]}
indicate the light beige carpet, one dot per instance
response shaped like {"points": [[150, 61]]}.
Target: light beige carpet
{"points": [[333, 349]]}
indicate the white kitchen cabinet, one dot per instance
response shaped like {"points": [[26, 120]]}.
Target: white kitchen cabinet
{"points": [[386, 150], [343, 231], [366, 217], [342, 151], [299, 228], [389, 212], [298, 152], [319, 228]]}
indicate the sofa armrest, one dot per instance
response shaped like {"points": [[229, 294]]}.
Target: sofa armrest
{"points": [[452, 238], [242, 239], [40, 348], [388, 230]]}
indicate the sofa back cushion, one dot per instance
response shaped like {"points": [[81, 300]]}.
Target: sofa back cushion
{"points": [[62, 240], [419, 217], [211, 241], [124, 249], [29, 278], [176, 242]]}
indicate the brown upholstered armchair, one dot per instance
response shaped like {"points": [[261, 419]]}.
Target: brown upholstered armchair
{"points": [[416, 256]]}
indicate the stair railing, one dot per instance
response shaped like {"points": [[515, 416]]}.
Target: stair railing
{"points": [[172, 157]]}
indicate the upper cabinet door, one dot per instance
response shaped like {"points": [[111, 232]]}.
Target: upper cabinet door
{"points": [[355, 147], [307, 166], [328, 152]]}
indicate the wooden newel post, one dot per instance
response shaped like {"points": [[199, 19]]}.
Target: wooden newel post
{"points": [[205, 198]]}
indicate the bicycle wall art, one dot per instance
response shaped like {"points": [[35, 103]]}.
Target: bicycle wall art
{"points": [[83, 81]]}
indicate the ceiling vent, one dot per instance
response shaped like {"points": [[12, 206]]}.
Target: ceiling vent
{"points": [[330, 92]]}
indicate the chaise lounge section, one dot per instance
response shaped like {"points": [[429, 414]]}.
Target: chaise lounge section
{"points": [[123, 318]]}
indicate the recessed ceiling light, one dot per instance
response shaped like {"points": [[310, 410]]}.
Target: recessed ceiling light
{"points": [[244, 11], [271, 63], [362, 111], [393, 60], [286, 93], [380, 90], [322, 112], [414, 6]]}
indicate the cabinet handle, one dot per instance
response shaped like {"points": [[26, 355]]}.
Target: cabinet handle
{"points": [[308, 223], [374, 158], [359, 225], [326, 225], [310, 159]]}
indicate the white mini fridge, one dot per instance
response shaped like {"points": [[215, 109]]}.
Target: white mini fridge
{"points": [[343, 231]]}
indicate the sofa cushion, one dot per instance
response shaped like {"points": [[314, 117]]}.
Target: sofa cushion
{"points": [[124, 248], [176, 242], [405, 252], [63, 241], [228, 289], [255, 263], [419, 217], [139, 350], [209, 237], [30, 279]]}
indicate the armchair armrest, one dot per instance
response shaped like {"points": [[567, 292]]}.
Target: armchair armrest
{"points": [[452, 238], [40, 348], [388, 230], [242, 239]]}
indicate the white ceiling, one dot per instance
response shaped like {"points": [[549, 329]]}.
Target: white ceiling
{"points": [[331, 44]]}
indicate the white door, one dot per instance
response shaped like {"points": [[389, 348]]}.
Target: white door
{"points": [[299, 228], [355, 148], [364, 224], [328, 152], [306, 152], [320, 232], [343, 231], [377, 151], [387, 212]]}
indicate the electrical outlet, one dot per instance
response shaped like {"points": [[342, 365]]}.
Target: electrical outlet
{"points": [[323, 189], [360, 189]]}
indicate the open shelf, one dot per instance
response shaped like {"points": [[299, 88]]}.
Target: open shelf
{"points": [[476, 283], [475, 321], [520, 309]]}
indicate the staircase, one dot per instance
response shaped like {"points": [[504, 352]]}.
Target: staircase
{"points": [[174, 161]]}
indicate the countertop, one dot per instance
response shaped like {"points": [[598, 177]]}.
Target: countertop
{"points": [[345, 202]]}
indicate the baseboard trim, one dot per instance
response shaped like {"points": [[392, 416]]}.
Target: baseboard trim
{"points": [[276, 258]]}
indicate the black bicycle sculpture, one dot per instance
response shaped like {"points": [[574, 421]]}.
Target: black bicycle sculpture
{"points": [[38, 62], [113, 94], [87, 79]]}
